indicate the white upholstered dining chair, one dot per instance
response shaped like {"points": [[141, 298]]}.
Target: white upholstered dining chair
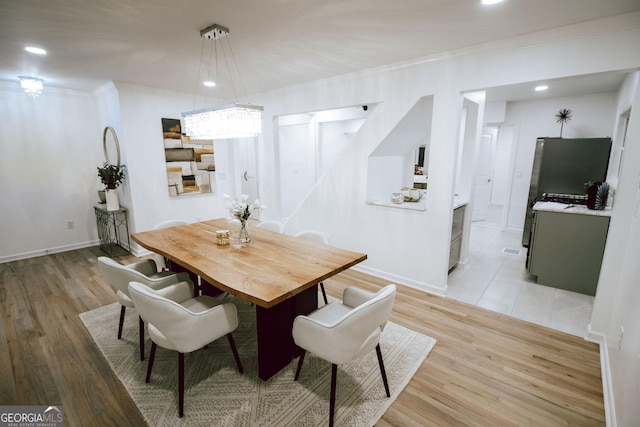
{"points": [[271, 226], [178, 321], [118, 277], [316, 236], [342, 332]]}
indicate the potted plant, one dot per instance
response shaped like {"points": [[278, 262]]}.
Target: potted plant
{"points": [[111, 176], [562, 117]]}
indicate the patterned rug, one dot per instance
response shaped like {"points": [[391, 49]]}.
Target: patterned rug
{"points": [[217, 395]]}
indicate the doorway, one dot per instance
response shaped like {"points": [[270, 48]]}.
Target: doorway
{"points": [[245, 167], [493, 175]]}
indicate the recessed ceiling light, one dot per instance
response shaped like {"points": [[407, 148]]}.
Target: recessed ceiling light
{"points": [[541, 88], [209, 84], [491, 1], [36, 50]]}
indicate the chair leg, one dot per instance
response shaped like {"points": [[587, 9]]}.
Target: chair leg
{"points": [[180, 384], [122, 310], [141, 333], [300, 364], [152, 356], [235, 352], [332, 398], [382, 371], [324, 294]]}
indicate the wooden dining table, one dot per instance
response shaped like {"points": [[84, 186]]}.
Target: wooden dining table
{"points": [[276, 272]]}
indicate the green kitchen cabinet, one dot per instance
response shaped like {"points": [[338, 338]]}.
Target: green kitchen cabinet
{"points": [[566, 249]]}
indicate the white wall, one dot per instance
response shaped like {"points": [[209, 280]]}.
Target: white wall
{"points": [[618, 295], [296, 167], [49, 150], [333, 139]]}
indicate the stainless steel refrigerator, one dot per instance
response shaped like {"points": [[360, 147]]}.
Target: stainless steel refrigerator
{"points": [[561, 167]]}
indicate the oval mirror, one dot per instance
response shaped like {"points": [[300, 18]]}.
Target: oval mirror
{"points": [[111, 146]]}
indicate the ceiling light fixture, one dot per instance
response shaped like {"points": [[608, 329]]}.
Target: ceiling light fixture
{"points": [[36, 50], [32, 85], [541, 88], [234, 120], [491, 1]]}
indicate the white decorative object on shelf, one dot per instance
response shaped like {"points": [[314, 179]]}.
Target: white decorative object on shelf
{"points": [[113, 203], [412, 194], [397, 198]]}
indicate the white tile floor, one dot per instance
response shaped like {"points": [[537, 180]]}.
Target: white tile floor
{"points": [[496, 280]]}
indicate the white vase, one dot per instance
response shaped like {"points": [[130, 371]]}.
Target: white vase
{"points": [[113, 204]]}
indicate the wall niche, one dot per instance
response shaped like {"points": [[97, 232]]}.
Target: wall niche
{"points": [[400, 163]]}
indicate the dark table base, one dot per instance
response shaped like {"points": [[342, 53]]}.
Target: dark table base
{"points": [[276, 348]]}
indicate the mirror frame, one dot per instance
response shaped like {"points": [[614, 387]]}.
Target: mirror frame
{"points": [[104, 144]]}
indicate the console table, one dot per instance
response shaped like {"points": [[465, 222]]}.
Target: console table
{"points": [[113, 230]]}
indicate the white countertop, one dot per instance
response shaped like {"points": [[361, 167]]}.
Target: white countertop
{"points": [[457, 202], [573, 209]]}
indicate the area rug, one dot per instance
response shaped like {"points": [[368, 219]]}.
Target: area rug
{"points": [[217, 395]]}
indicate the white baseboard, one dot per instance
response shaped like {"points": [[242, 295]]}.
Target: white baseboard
{"points": [[605, 367], [48, 251], [400, 280]]}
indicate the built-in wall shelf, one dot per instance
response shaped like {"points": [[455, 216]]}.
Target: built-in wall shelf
{"points": [[420, 205]]}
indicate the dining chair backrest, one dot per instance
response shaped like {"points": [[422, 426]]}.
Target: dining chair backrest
{"points": [[359, 331], [118, 275], [176, 322], [316, 236], [169, 317], [271, 226], [340, 333], [170, 223]]}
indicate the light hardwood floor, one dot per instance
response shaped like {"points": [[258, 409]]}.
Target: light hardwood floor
{"points": [[487, 369]]}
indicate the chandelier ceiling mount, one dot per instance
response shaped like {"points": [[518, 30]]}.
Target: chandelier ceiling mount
{"points": [[230, 120]]}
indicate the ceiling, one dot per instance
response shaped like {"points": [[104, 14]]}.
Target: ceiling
{"points": [[275, 43]]}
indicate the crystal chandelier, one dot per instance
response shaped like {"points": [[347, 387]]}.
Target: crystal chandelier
{"points": [[234, 120], [225, 121], [32, 85]]}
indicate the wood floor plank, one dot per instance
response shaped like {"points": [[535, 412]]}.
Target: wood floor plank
{"points": [[487, 369]]}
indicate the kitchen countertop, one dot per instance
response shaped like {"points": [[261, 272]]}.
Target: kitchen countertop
{"points": [[574, 209], [457, 202]]}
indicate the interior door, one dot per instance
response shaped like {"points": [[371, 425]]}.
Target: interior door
{"points": [[248, 169], [482, 180]]}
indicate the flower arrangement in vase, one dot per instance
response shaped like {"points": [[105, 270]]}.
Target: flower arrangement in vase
{"points": [[240, 211]]}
